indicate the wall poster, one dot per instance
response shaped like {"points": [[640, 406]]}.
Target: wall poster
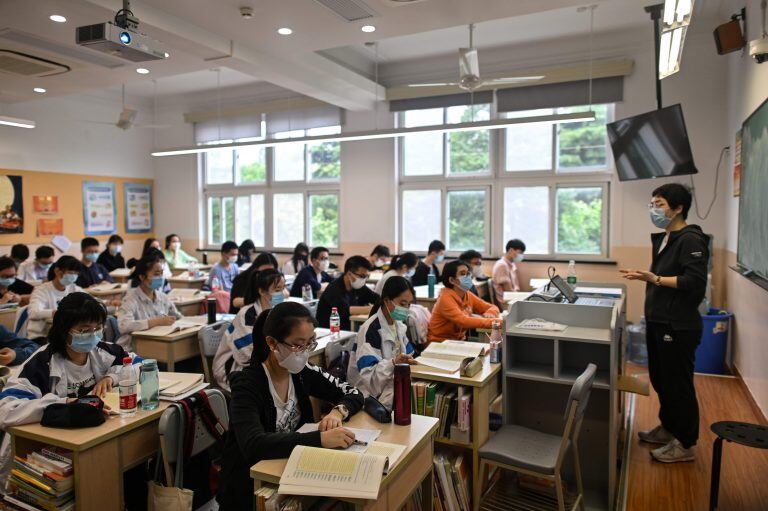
{"points": [[11, 205], [737, 165], [138, 207], [45, 204], [99, 207]]}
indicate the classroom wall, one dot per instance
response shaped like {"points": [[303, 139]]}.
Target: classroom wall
{"points": [[747, 89]]}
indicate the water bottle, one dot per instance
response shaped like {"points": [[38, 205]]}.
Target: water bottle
{"points": [[193, 271], [128, 397], [211, 309], [215, 284], [496, 340], [335, 323], [149, 378], [306, 293], [431, 281], [401, 402], [571, 275]]}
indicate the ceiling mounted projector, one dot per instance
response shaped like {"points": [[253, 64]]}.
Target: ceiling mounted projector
{"points": [[121, 38]]}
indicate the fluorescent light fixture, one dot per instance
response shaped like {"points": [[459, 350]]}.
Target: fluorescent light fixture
{"points": [[39, 90], [284, 31], [492, 124], [142, 70], [16, 122], [671, 51], [58, 18], [368, 28], [677, 13]]}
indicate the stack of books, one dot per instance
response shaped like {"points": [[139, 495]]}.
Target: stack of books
{"points": [[267, 499], [452, 483], [451, 404], [41, 481]]}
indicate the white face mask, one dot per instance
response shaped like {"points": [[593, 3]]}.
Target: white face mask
{"points": [[324, 265], [232, 260], [477, 271], [292, 362], [519, 258], [357, 283], [175, 246]]}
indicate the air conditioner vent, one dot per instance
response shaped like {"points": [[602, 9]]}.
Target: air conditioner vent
{"points": [[350, 10], [16, 63]]}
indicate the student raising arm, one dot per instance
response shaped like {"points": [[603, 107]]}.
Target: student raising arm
{"points": [[457, 310], [382, 342], [270, 401], [46, 297], [145, 306], [266, 290]]}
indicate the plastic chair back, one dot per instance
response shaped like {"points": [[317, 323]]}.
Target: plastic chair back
{"points": [[111, 332], [21, 322], [209, 338]]}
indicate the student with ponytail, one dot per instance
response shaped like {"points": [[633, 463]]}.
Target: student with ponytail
{"points": [[382, 342], [270, 401], [403, 265], [265, 290]]}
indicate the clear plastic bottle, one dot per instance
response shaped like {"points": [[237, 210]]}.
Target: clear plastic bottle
{"points": [[215, 284], [128, 388], [306, 293], [335, 323], [149, 378], [193, 271], [571, 275], [431, 281], [496, 342]]}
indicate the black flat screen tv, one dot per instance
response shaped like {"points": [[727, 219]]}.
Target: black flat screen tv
{"points": [[650, 145]]}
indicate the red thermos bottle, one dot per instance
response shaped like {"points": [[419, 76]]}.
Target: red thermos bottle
{"points": [[402, 398]]}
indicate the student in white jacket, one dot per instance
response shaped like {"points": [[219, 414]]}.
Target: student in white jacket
{"points": [[145, 306], [46, 297], [36, 270], [265, 290], [382, 342]]}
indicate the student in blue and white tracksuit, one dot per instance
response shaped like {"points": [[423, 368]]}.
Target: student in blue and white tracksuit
{"points": [[74, 363], [265, 290], [382, 342]]}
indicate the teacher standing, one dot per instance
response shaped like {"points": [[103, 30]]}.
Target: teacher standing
{"points": [[675, 287]]}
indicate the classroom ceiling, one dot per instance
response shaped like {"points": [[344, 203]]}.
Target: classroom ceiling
{"points": [[204, 34]]}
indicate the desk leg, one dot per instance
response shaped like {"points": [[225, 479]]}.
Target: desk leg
{"points": [[171, 358], [481, 403], [96, 469], [714, 488]]}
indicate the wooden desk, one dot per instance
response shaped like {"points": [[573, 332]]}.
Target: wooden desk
{"points": [[8, 318], [101, 454], [121, 275], [183, 267], [486, 387], [168, 349], [182, 281], [108, 294], [414, 468], [189, 305], [357, 320]]}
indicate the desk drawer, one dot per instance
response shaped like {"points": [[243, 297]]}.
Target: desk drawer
{"points": [[139, 444]]}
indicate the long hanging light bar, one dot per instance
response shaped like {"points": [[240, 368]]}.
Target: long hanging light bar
{"points": [[16, 122], [677, 17], [493, 124]]}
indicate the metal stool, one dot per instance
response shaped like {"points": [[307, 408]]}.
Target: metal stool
{"points": [[751, 435]]}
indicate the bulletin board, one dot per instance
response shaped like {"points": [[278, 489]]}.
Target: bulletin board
{"points": [[67, 189]]}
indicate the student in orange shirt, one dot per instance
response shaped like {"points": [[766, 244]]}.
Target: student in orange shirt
{"points": [[457, 310]]}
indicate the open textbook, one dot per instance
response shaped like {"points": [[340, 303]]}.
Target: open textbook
{"points": [[177, 326], [107, 286], [446, 356], [336, 473]]}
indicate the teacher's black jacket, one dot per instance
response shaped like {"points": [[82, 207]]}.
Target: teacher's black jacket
{"points": [[252, 423], [685, 256]]}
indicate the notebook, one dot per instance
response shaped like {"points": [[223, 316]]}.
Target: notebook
{"points": [[447, 356], [106, 286], [181, 324]]}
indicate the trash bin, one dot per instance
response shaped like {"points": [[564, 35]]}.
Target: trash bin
{"points": [[710, 355], [637, 349]]}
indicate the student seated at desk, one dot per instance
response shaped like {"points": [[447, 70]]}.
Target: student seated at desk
{"points": [[74, 363], [19, 253], [505, 270], [15, 350], [270, 401], [348, 294], [226, 269], [298, 260], [266, 290], [263, 261], [403, 265], [456, 309], [474, 260], [112, 257], [246, 252], [174, 254], [145, 306], [315, 274], [92, 273], [152, 244], [46, 297], [380, 257], [12, 290], [435, 256], [382, 342], [37, 269]]}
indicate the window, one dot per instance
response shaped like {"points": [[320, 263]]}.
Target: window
{"points": [[547, 184], [295, 185]]}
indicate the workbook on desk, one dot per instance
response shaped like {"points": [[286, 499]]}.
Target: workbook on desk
{"points": [[105, 286], [447, 356], [178, 326], [337, 473]]}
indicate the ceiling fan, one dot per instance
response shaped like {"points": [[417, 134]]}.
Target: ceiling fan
{"points": [[469, 72], [126, 119]]}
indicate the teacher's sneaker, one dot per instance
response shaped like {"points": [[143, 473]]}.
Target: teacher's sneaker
{"points": [[673, 452], [657, 435]]}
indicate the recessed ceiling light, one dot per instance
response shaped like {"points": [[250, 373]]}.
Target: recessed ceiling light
{"points": [[284, 31], [142, 70], [58, 18], [39, 90], [368, 28]]}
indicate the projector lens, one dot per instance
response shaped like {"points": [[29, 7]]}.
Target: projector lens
{"points": [[125, 37]]}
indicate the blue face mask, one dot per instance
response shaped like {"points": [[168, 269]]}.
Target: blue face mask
{"points": [[7, 282], [440, 258], [276, 298], [84, 343], [659, 219], [466, 282], [156, 283], [91, 257], [410, 273], [68, 279], [45, 267]]}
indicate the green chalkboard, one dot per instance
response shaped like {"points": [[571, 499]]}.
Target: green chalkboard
{"points": [[753, 203]]}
